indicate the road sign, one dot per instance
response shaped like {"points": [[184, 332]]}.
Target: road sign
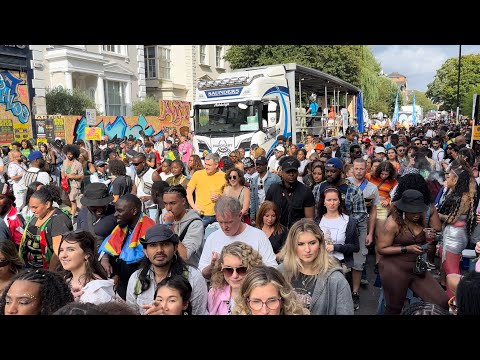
{"points": [[91, 115]]}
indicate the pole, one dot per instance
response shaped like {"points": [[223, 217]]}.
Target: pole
{"points": [[458, 82]]}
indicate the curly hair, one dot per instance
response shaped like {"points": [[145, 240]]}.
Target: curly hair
{"points": [[197, 163], [322, 263], [244, 252], [468, 294], [48, 193], [54, 291], [264, 275], [413, 182], [87, 243], [73, 149], [241, 177], [10, 253], [385, 166], [464, 191], [117, 168]]}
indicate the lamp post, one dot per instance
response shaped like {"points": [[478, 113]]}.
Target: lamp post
{"points": [[458, 82]]}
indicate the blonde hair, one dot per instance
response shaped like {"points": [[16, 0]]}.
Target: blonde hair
{"points": [[264, 275], [259, 152], [244, 252], [292, 263]]}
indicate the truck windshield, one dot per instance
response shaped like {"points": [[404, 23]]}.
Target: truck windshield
{"points": [[226, 118]]}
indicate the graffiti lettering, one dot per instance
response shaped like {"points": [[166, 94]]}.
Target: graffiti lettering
{"points": [[174, 111], [7, 97]]}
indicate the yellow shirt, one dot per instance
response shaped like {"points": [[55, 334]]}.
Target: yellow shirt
{"points": [[205, 185]]}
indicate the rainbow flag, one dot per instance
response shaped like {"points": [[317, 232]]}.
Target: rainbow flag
{"points": [[132, 250]]}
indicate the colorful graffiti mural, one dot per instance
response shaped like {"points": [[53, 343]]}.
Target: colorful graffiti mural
{"points": [[174, 111], [14, 106]]}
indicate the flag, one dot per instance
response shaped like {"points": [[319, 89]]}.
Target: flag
{"points": [[414, 112], [395, 112], [360, 124]]}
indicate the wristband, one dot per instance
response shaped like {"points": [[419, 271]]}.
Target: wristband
{"points": [[168, 223], [403, 249]]}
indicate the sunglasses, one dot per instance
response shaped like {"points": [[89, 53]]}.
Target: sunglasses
{"points": [[135, 164], [4, 263], [233, 177], [228, 271], [257, 304], [260, 186]]}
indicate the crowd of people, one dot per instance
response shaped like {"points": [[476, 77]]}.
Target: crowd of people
{"points": [[144, 225]]}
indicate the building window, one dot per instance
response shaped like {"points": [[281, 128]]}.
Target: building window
{"points": [[164, 63], [115, 98], [218, 56], [118, 49], [150, 62], [203, 54]]}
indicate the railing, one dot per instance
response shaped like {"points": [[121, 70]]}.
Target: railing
{"points": [[320, 126]]}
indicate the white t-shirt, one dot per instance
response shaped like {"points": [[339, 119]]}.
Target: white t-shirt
{"points": [[261, 188], [337, 229], [254, 237]]}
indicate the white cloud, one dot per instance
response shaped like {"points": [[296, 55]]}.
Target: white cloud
{"points": [[419, 63]]}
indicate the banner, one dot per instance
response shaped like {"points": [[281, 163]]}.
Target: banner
{"points": [[21, 132], [395, 112], [59, 128], [414, 112], [93, 133], [6, 132]]}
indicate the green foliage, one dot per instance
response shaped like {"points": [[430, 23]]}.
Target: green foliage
{"points": [[352, 63], [467, 103], [422, 100], [385, 101], [147, 107], [66, 102], [443, 89]]}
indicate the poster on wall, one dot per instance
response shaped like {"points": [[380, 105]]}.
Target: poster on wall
{"points": [[41, 140], [21, 132], [59, 128], [49, 129], [40, 128], [6, 132]]}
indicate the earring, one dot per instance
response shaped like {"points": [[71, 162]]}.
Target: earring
{"points": [[404, 216], [185, 313], [175, 256]]}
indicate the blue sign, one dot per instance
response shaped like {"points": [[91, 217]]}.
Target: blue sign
{"points": [[223, 92]]}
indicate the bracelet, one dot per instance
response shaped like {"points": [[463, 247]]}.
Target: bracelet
{"points": [[403, 249]]}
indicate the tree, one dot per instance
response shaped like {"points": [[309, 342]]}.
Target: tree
{"points": [[352, 63], [67, 102], [467, 104], [422, 100], [147, 107], [443, 89], [385, 101]]}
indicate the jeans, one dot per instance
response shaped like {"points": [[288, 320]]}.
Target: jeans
{"points": [[207, 220]]}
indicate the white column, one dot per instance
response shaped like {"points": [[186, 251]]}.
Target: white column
{"points": [[128, 98], [100, 95], [68, 80]]}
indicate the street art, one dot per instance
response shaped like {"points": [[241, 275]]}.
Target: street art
{"points": [[174, 111], [14, 96]]}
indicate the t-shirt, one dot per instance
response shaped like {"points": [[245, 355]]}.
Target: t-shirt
{"points": [[304, 286], [121, 185], [204, 185], [335, 230], [254, 237]]}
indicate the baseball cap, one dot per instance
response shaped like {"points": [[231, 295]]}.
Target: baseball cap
{"points": [[248, 163], [261, 160], [280, 148], [334, 163], [379, 150], [289, 163], [319, 146], [159, 233], [366, 140], [100, 163], [35, 155]]}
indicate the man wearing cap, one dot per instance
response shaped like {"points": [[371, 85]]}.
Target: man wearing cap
{"points": [[97, 214], [100, 174], [259, 185], [160, 246], [294, 199], [349, 140], [34, 173], [249, 167], [274, 160], [228, 213], [380, 153]]}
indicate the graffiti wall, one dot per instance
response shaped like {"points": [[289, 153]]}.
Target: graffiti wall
{"points": [[15, 114]]}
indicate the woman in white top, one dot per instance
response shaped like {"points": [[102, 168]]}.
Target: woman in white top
{"points": [[339, 229], [236, 188], [85, 275]]}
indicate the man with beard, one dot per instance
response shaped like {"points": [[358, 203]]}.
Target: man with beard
{"points": [[121, 252], [294, 199], [162, 260], [97, 214]]}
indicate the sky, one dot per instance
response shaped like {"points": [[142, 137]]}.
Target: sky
{"points": [[419, 63]]}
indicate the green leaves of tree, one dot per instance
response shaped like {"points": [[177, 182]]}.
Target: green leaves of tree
{"points": [[66, 102], [147, 107]]}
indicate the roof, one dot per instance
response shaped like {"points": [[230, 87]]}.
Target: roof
{"points": [[395, 74]]}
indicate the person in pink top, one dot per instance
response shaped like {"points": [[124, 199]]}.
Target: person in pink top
{"points": [[185, 150], [227, 276]]}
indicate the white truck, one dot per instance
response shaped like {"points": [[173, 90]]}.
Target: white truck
{"points": [[255, 105]]}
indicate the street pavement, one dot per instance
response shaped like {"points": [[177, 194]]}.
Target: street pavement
{"points": [[369, 293]]}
